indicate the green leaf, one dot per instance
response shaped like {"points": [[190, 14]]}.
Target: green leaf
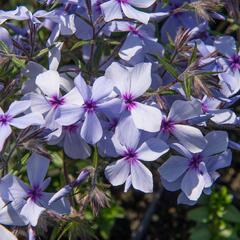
{"points": [[20, 63], [4, 47], [232, 214], [187, 86], [199, 214], [81, 43], [42, 52], [200, 233], [194, 54], [168, 67], [168, 92]]}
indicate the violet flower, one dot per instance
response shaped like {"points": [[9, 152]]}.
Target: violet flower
{"points": [[129, 169], [31, 200], [10, 118], [194, 173], [114, 9]]}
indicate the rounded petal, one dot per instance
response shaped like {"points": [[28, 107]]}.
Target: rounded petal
{"points": [[5, 131], [111, 10], [49, 82], [141, 3], [133, 13], [190, 137], [146, 117], [152, 149], [102, 87], [141, 177], [82, 87], [219, 137], [193, 184], [18, 107], [173, 168], [32, 212], [117, 172], [28, 120], [37, 167], [91, 130], [140, 79], [226, 45]]}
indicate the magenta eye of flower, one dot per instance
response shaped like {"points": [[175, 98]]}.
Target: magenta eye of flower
{"points": [[122, 1], [129, 101], [204, 107], [133, 30], [234, 62], [167, 125], [195, 161], [71, 129], [131, 156], [5, 119], [90, 105], [56, 101], [35, 193]]}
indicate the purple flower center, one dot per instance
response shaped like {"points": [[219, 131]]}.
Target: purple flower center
{"points": [[122, 1], [71, 129], [129, 101], [35, 193], [234, 62], [131, 156], [204, 107], [133, 30], [56, 101], [5, 119], [90, 106], [167, 125], [195, 161]]}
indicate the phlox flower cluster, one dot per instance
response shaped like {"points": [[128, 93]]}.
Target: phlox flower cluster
{"points": [[127, 106]]}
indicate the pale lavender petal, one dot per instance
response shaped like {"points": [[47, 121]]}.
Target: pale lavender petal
{"points": [[183, 110], [226, 45], [38, 103], [190, 137], [193, 184], [173, 168], [117, 172], [182, 199], [111, 10], [102, 88], [181, 149], [49, 83], [141, 177], [140, 79], [147, 118], [133, 13], [73, 98], [141, 3], [91, 130], [217, 143], [152, 149], [37, 167], [128, 183], [127, 133], [28, 120], [82, 87], [6, 234], [32, 212], [172, 186], [5, 131], [18, 107], [70, 114]]}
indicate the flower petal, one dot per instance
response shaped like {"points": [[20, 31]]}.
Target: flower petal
{"points": [[5, 131], [190, 137], [49, 82], [146, 117], [32, 212], [117, 172], [111, 10], [102, 87], [82, 87], [173, 168], [37, 167], [193, 184], [91, 130], [18, 107], [141, 177], [152, 149], [140, 79]]}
